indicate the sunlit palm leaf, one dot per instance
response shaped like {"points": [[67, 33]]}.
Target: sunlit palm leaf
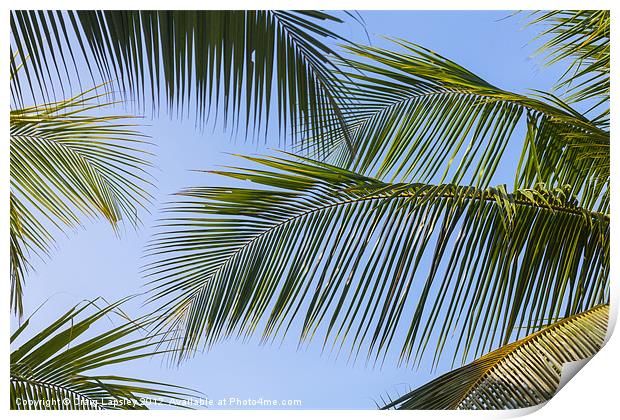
{"points": [[581, 36], [555, 155], [238, 61], [418, 116], [579, 159], [521, 374], [331, 248], [69, 163], [57, 366]]}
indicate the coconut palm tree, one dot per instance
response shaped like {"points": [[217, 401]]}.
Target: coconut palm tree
{"points": [[333, 243], [400, 151]]}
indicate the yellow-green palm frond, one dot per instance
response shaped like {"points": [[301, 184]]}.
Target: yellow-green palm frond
{"points": [[518, 375], [581, 36], [68, 162], [56, 368]]}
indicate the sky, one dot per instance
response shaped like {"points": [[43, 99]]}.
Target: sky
{"points": [[93, 261]]}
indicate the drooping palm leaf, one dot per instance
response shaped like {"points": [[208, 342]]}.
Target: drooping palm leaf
{"points": [[57, 367], [329, 248], [518, 375], [243, 60], [555, 155], [581, 36], [418, 116], [580, 159], [68, 162]]}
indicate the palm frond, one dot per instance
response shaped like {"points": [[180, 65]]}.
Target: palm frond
{"points": [[239, 61], [581, 36], [418, 116], [343, 255], [518, 375], [554, 155], [580, 159], [56, 368], [68, 163]]}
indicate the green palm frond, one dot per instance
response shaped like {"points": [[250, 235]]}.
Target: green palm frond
{"points": [[418, 116], [69, 163], [578, 159], [56, 367], [518, 375], [239, 61], [581, 36], [341, 254]]}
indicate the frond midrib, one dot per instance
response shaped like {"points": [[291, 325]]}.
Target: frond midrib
{"points": [[517, 345], [517, 99], [442, 195]]}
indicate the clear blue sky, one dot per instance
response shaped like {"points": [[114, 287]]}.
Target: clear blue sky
{"points": [[94, 262]]}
